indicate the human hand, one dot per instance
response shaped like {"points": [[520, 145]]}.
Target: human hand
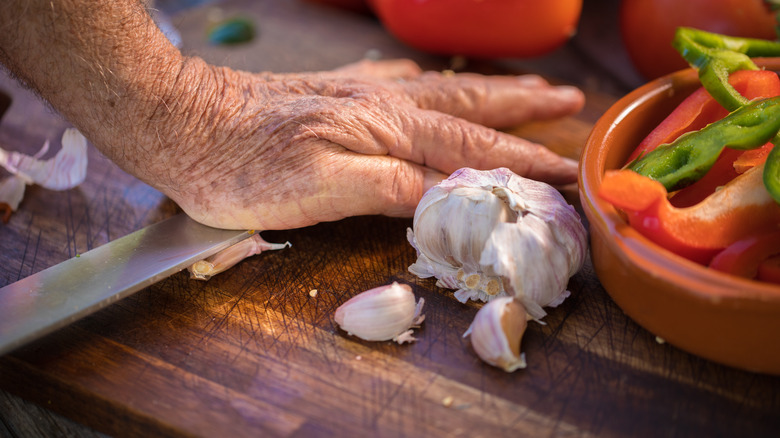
{"points": [[281, 151], [265, 151]]}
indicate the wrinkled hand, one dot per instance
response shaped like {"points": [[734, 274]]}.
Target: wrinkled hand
{"points": [[265, 151]]}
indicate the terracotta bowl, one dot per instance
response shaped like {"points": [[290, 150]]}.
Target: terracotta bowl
{"points": [[723, 318]]}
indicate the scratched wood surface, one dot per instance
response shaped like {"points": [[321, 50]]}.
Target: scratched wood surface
{"points": [[252, 353]]}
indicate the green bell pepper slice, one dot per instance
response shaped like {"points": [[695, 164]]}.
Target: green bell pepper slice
{"points": [[687, 159]]}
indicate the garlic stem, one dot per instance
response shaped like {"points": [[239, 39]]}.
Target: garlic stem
{"points": [[227, 258]]}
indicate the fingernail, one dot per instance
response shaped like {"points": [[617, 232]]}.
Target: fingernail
{"points": [[531, 80], [570, 163], [572, 166], [569, 92]]}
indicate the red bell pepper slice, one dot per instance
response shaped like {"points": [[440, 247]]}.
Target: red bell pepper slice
{"points": [[743, 257], [752, 158], [698, 110], [740, 209], [769, 270]]}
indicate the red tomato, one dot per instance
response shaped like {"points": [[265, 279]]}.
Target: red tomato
{"points": [[481, 28], [648, 27], [360, 6]]}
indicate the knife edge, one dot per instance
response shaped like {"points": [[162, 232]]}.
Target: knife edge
{"points": [[57, 296]]}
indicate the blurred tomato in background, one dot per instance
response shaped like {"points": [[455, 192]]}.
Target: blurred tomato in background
{"points": [[648, 26], [481, 28], [360, 6]]}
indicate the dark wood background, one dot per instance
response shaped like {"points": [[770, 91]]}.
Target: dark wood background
{"points": [[251, 353]]}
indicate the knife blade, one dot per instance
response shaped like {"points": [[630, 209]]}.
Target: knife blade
{"points": [[55, 297]]}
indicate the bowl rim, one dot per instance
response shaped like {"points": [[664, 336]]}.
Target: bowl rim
{"points": [[701, 282]]}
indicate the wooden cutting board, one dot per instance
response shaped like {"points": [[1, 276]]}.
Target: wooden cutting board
{"points": [[253, 352]]}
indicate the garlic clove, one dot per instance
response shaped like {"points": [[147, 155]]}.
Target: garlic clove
{"points": [[229, 257], [536, 267], [542, 251], [496, 333], [381, 314]]}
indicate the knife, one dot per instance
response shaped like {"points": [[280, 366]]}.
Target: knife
{"points": [[57, 296]]}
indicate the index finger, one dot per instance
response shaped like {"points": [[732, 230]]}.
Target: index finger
{"points": [[495, 101]]}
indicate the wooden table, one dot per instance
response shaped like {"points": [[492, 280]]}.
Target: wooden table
{"points": [[251, 353]]}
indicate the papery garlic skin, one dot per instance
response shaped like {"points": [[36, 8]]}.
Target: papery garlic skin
{"points": [[496, 333], [494, 233], [381, 314], [229, 257], [67, 169], [11, 194]]}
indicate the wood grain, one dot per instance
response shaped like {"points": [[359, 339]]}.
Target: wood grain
{"points": [[252, 353]]}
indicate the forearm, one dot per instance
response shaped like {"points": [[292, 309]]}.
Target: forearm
{"points": [[105, 67]]}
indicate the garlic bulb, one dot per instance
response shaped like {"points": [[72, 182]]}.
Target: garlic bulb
{"points": [[381, 314], [496, 333], [494, 233]]}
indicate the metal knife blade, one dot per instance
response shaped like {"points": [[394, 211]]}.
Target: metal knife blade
{"points": [[57, 296]]}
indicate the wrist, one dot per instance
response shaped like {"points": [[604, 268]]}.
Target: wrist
{"points": [[105, 66], [181, 128]]}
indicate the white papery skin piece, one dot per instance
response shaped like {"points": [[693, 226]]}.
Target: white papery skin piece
{"points": [[494, 233], [65, 170], [12, 191]]}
